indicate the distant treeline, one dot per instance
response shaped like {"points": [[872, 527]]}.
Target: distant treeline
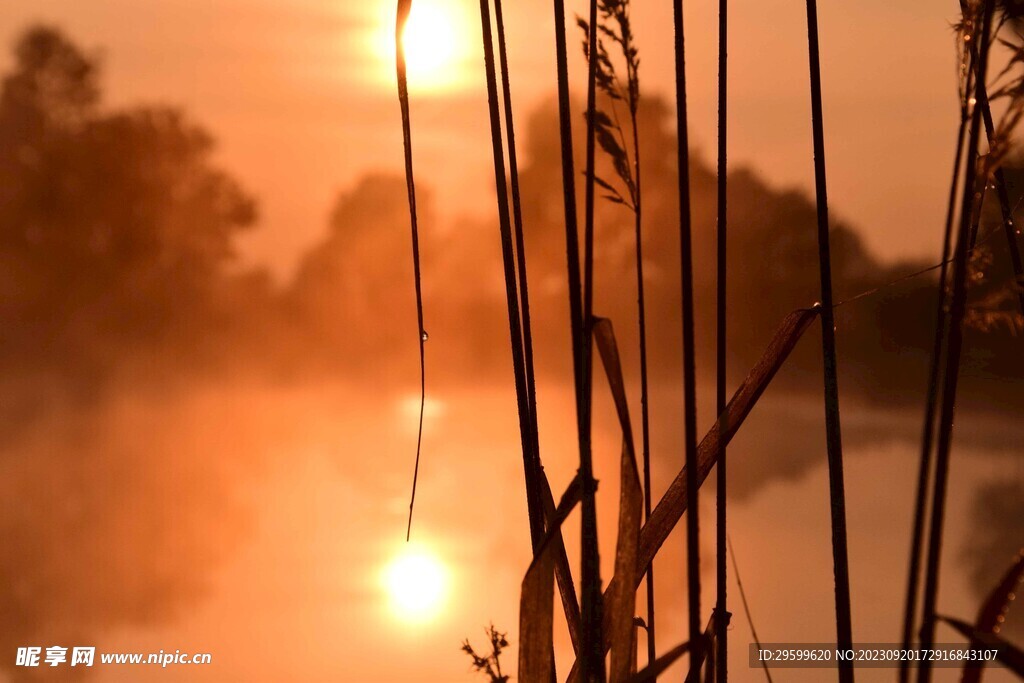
{"points": [[117, 237]]}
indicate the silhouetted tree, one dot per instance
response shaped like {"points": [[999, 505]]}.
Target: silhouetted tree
{"points": [[115, 228]]}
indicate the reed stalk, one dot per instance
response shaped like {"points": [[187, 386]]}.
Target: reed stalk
{"points": [[837, 492], [927, 440], [721, 658], [520, 240], [592, 655], [531, 469], [924, 475], [954, 346], [689, 363]]}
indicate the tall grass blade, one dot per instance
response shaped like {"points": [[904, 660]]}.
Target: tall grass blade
{"points": [[536, 617], [536, 620], [620, 604], [530, 462], [721, 571], [689, 363], [615, 26], [592, 657], [954, 344], [572, 244], [563, 571], [401, 17], [517, 225], [576, 323], [837, 492]]}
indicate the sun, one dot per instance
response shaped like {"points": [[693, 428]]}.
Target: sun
{"points": [[429, 40], [416, 583], [435, 43]]}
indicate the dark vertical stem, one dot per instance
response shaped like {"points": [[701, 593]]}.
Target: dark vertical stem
{"points": [[927, 440], [689, 363], [533, 496], [645, 420], [932, 400], [954, 347], [837, 493], [401, 16], [572, 246], [572, 243], [520, 240], [592, 668], [721, 571]]}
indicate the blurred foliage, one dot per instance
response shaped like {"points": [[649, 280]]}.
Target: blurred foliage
{"points": [[116, 230]]}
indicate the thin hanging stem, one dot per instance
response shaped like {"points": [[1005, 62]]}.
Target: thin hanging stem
{"points": [[645, 421], [592, 656], [533, 488], [954, 347], [401, 17], [837, 493], [721, 571], [689, 363], [746, 607]]}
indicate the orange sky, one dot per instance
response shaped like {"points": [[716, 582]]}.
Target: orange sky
{"points": [[296, 99]]}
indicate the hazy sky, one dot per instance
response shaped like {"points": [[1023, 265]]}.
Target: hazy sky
{"points": [[299, 97]]}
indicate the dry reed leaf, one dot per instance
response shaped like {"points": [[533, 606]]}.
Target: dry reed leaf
{"points": [[994, 609], [993, 612], [620, 604], [1011, 656], [673, 504], [563, 571], [536, 614]]}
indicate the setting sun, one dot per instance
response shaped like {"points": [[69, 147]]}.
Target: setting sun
{"points": [[416, 583], [434, 40]]}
